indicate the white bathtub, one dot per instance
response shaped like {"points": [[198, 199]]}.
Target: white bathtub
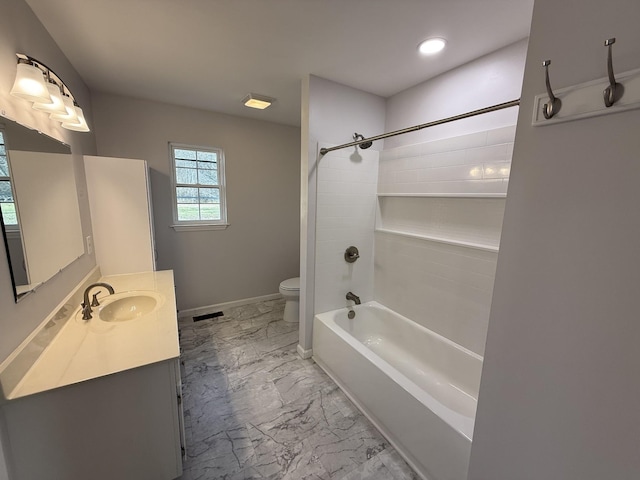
{"points": [[417, 387]]}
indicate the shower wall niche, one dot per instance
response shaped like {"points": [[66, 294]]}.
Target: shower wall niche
{"points": [[439, 216]]}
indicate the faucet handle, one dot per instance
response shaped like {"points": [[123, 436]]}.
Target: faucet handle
{"points": [[95, 302], [351, 254]]}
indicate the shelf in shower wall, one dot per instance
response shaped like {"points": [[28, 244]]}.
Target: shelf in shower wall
{"points": [[448, 241], [444, 195], [470, 221]]}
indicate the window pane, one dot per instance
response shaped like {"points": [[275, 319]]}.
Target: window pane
{"points": [[209, 195], [207, 165], [207, 156], [207, 177], [198, 189], [187, 175], [188, 212], [186, 195], [184, 154], [4, 168], [9, 213], [3, 150], [186, 163], [5, 191], [210, 211]]}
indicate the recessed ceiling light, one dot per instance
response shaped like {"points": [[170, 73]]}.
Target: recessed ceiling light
{"points": [[257, 101], [431, 46]]}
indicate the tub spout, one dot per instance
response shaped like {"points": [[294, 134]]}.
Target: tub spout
{"points": [[354, 297]]}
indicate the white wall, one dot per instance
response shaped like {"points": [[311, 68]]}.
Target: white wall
{"points": [[332, 113], [559, 392], [438, 231], [440, 207], [345, 216], [22, 32], [262, 164], [489, 80]]}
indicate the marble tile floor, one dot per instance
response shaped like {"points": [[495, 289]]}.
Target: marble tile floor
{"points": [[255, 410]]}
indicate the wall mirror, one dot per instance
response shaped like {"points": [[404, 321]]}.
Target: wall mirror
{"points": [[39, 205]]}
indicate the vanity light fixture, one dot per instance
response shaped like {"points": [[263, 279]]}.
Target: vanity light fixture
{"points": [[432, 45], [78, 126], [69, 115], [57, 104], [39, 84], [29, 83], [257, 101]]}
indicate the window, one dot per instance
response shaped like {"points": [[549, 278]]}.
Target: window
{"points": [[198, 187], [7, 204]]}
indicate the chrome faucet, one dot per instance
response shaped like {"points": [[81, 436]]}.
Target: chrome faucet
{"points": [[354, 297], [86, 307]]}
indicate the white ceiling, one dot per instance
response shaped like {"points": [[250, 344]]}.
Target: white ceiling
{"points": [[210, 53]]}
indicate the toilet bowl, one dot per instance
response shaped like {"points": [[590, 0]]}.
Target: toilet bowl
{"points": [[290, 290]]}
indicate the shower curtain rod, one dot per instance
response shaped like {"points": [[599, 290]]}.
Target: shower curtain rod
{"points": [[493, 108]]}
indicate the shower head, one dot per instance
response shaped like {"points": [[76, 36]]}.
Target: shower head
{"points": [[363, 145]]}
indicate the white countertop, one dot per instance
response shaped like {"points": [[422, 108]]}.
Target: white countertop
{"points": [[88, 349]]}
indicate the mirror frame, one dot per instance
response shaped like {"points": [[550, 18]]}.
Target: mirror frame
{"points": [[7, 123]]}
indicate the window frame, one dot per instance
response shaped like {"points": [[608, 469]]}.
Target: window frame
{"points": [[10, 228], [188, 225]]}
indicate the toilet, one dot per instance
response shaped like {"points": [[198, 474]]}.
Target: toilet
{"points": [[290, 290]]}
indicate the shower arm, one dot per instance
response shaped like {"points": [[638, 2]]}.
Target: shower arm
{"points": [[493, 108]]}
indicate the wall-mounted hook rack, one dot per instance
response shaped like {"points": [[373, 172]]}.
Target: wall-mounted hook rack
{"points": [[553, 106], [614, 91], [585, 100]]}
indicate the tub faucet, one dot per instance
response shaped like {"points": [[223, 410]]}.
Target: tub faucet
{"points": [[86, 307], [354, 297]]}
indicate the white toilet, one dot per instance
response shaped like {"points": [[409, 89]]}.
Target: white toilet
{"points": [[290, 290]]}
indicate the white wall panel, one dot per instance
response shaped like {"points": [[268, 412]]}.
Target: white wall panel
{"points": [[345, 216], [559, 393]]}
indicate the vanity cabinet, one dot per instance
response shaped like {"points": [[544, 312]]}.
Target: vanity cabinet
{"points": [[97, 399], [125, 426]]}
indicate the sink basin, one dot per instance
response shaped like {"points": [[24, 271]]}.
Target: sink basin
{"points": [[125, 306]]}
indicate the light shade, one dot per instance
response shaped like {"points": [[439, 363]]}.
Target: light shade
{"points": [[257, 101], [56, 97], [70, 116], [30, 84], [431, 46], [80, 125]]}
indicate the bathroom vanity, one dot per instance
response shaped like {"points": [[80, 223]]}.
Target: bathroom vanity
{"points": [[99, 398]]}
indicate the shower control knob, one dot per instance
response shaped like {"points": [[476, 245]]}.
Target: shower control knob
{"points": [[351, 254]]}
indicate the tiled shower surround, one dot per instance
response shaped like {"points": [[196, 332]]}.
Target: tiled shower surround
{"points": [[474, 163], [440, 209], [427, 220], [346, 208]]}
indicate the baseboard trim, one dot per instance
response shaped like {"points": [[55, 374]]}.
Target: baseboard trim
{"points": [[192, 312], [304, 353]]}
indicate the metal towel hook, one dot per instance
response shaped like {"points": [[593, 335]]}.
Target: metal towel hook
{"points": [[614, 91], [554, 105]]}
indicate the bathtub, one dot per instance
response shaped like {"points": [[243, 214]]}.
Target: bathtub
{"points": [[418, 388]]}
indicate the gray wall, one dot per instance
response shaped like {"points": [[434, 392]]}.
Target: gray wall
{"points": [[560, 385], [22, 32], [260, 247], [489, 80]]}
